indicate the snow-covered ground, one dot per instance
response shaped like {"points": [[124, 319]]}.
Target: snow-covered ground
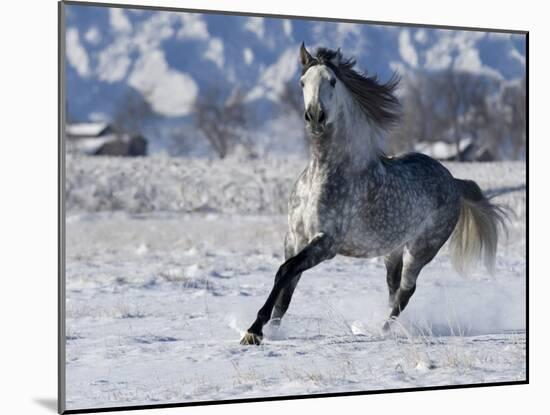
{"points": [[168, 261]]}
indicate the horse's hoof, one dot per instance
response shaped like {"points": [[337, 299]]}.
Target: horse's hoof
{"points": [[387, 325], [251, 338], [275, 322]]}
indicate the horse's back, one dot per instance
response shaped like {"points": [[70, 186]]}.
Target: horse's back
{"points": [[417, 165]]}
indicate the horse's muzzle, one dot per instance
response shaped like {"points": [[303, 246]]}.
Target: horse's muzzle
{"points": [[316, 119], [317, 132]]}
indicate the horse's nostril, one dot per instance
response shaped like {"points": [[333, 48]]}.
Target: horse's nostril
{"points": [[321, 116], [307, 116]]}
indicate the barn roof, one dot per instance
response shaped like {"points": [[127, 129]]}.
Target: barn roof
{"points": [[86, 129]]}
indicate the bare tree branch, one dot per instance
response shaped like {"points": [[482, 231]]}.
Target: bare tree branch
{"points": [[454, 105], [223, 120]]}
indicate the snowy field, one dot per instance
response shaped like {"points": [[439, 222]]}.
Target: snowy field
{"points": [[168, 261]]}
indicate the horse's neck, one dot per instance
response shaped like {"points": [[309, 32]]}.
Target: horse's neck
{"points": [[345, 173], [351, 145]]}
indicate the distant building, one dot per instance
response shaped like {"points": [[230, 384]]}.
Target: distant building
{"points": [[98, 138], [467, 150]]}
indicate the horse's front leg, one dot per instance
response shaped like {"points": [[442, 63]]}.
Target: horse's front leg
{"points": [[319, 249]]}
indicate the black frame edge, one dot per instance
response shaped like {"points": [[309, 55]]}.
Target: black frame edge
{"points": [[285, 16], [61, 341], [527, 206], [292, 397]]}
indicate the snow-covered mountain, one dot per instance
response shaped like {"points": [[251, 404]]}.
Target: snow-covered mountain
{"points": [[169, 58]]}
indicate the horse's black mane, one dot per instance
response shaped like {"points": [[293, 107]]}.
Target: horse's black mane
{"points": [[377, 99]]}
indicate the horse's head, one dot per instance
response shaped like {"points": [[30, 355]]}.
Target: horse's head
{"points": [[319, 88], [333, 88]]}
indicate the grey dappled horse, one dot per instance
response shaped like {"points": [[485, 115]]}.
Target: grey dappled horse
{"points": [[353, 200]]}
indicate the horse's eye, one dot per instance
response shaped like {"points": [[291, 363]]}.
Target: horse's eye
{"points": [[332, 82], [302, 84]]}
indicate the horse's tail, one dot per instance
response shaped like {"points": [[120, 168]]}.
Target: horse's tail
{"points": [[476, 234]]}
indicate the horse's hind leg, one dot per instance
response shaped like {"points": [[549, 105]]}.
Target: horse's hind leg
{"points": [[407, 286], [418, 253], [394, 267]]}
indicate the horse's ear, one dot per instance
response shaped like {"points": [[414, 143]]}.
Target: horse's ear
{"points": [[305, 57], [337, 58]]}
